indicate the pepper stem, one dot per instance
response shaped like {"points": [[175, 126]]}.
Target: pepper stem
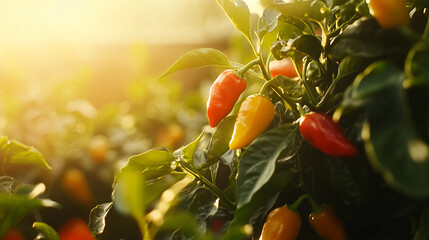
{"points": [[240, 72]]}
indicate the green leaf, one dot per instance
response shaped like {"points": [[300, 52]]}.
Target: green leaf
{"points": [[219, 142], [416, 65], [370, 82], [153, 163], [312, 10], [268, 22], [306, 45], [422, 232], [256, 166], [202, 57], [13, 207], [239, 14], [188, 150], [365, 38], [47, 231], [6, 183], [351, 65], [97, 218], [264, 199], [16, 152], [391, 141], [187, 225]]}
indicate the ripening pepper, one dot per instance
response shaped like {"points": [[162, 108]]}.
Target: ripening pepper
{"points": [[282, 223], [327, 224], [390, 13], [326, 135], [224, 93], [254, 116], [283, 67]]}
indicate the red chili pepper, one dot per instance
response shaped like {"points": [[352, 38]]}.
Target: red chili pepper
{"points": [[324, 134], [224, 93], [327, 224]]}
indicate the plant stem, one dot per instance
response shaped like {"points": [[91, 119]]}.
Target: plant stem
{"points": [[425, 35], [211, 187], [264, 69], [310, 90], [327, 93], [240, 73]]}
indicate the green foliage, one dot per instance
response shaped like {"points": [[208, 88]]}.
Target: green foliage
{"points": [[15, 152]]}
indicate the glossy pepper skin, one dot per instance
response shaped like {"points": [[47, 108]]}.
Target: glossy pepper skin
{"points": [[283, 67], [327, 224], [282, 224], [255, 115], [390, 13], [224, 93], [324, 134]]}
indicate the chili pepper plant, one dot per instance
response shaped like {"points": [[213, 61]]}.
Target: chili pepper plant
{"points": [[348, 129], [338, 138]]}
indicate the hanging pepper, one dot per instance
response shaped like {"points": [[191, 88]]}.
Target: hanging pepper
{"points": [[283, 223], [255, 115], [224, 93], [390, 13], [327, 224], [283, 67], [324, 134]]}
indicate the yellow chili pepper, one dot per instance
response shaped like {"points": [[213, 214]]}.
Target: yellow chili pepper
{"points": [[390, 13], [255, 115]]}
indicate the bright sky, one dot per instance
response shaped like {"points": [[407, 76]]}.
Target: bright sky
{"points": [[110, 21]]}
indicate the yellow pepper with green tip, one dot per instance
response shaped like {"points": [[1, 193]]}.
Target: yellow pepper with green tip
{"points": [[255, 115]]}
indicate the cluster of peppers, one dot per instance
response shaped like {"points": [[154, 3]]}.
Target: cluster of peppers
{"points": [[318, 129], [284, 223], [257, 112]]}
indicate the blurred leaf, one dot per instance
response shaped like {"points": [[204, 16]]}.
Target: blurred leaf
{"points": [[239, 14], [82, 107], [128, 193], [365, 38], [47, 231], [15, 152], [6, 183], [391, 141], [202, 57], [97, 218], [313, 10], [186, 223], [268, 22], [257, 167], [13, 207], [219, 142], [422, 232], [416, 65]]}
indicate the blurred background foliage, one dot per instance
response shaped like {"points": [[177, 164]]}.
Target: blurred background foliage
{"points": [[78, 81]]}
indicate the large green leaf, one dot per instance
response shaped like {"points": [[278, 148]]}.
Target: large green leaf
{"points": [[258, 162], [312, 10], [391, 141], [202, 57], [47, 231], [15, 152], [365, 38], [239, 14]]}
